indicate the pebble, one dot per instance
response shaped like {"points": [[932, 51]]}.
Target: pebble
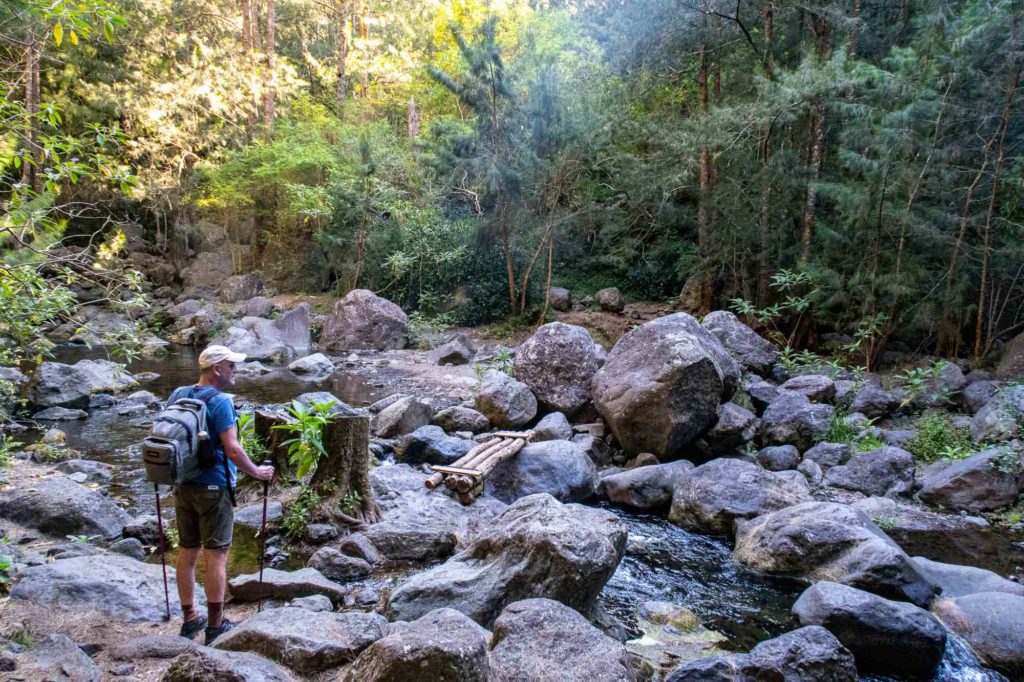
{"points": [[122, 669]]}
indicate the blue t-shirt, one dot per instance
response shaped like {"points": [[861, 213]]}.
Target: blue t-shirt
{"points": [[220, 416]]}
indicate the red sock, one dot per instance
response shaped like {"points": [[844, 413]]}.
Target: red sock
{"points": [[189, 612], [215, 611]]}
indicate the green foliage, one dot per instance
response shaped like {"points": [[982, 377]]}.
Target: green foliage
{"points": [[935, 438], [1008, 461], [428, 331], [48, 453], [919, 382], [838, 430], [6, 566], [6, 451], [300, 513], [306, 446], [351, 502], [85, 539], [885, 523], [868, 443], [252, 445]]}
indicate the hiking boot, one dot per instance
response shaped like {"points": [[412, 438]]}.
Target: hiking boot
{"points": [[191, 628], [214, 633]]}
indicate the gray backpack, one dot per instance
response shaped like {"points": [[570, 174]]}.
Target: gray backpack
{"points": [[178, 447]]}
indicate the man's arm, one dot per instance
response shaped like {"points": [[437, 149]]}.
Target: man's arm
{"points": [[233, 450]]}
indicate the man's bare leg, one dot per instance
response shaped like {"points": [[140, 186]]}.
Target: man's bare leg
{"points": [[186, 580]]}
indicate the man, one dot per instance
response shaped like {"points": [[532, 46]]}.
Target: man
{"points": [[203, 506]]}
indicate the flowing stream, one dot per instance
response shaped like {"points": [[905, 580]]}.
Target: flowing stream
{"points": [[662, 563]]}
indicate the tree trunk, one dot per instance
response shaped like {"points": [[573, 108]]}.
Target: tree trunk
{"points": [[342, 477], [30, 175], [413, 120], [264, 423], [814, 170], [364, 36], [854, 29], [342, 55], [269, 75], [704, 183]]}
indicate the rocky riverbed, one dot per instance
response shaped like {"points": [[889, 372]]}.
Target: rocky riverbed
{"points": [[681, 514]]}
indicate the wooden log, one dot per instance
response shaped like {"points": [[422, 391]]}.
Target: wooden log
{"points": [[469, 497], [434, 480], [465, 462]]}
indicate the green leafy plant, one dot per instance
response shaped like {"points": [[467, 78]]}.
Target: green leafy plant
{"points": [[6, 565], [797, 293], [252, 445], [428, 331], [1008, 461], [886, 523], [23, 636], [502, 360], [306, 446], [301, 511], [6, 452], [87, 539], [839, 431], [49, 454], [923, 381], [351, 502], [868, 443], [936, 438]]}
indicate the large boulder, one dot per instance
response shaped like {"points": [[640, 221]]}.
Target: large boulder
{"points": [[713, 496], [554, 426], [58, 385], [305, 641], [817, 387], [534, 638], [959, 581], [610, 299], [317, 363], [810, 654], [106, 376], [128, 590], [1011, 366], [886, 637], [992, 623], [60, 506], [829, 454], [363, 320], [430, 445], [981, 482], [336, 566], [239, 288], [458, 351], [792, 419], [561, 299], [557, 363], [750, 349], [779, 457], [401, 417], [275, 584], [830, 541], [441, 645], [556, 467], [736, 426], [507, 403], [885, 471], [646, 487], [1002, 417], [206, 664], [662, 384], [403, 539], [282, 338], [537, 548], [54, 658], [459, 418], [977, 394], [874, 402]]}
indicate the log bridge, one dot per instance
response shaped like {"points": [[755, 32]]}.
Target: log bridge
{"points": [[465, 477]]}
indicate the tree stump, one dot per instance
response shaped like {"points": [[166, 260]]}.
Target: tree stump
{"points": [[272, 438], [342, 476]]}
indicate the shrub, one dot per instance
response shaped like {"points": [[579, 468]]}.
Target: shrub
{"points": [[936, 438]]}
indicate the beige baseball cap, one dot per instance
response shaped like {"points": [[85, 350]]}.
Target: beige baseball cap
{"points": [[214, 354]]}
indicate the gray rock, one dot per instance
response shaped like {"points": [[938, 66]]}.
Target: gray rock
{"points": [[779, 457], [974, 484], [610, 299], [251, 515], [458, 351], [645, 487], [829, 454], [430, 445], [384, 403], [129, 547], [126, 589], [403, 539], [557, 364], [284, 585], [62, 507], [357, 545], [885, 471], [885, 637], [874, 402], [816, 387], [258, 306], [811, 470], [282, 338], [305, 641], [144, 528], [507, 403], [899, 437], [1011, 365], [557, 467], [319, 533], [317, 363], [535, 637], [662, 385], [735, 427], [363, 320], [390, 481], [401, 417], [554, 426], [314, 602], [959, 581], [13, 375], [940, 391], [58, 385], [1002, 417], [60, 414], [561, 299], [151, 646], [830, 541], [441, 645], [762, 393], [206, 664], [710, 669], [748, 347], [977, 395], [593, 447], [792, 419], [240, 288], [96, 472], [537, 548], [459, 418], [810, 654], [711, 497], [55, 658], [844, 392], [992, 623], [336, 566]]}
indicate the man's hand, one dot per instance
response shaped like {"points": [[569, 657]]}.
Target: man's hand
{"points": [[263, 473]]}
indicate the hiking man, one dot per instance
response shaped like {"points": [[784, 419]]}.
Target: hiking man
{"points": [[204, 506]]}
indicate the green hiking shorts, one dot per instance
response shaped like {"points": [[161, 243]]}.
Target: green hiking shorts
{"points": [[205, 516]]}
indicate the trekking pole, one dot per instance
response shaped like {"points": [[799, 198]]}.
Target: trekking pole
{"points": [[163, 557], [263, 533]]}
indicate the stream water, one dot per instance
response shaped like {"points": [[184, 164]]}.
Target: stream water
{"points": [[663, 562]]}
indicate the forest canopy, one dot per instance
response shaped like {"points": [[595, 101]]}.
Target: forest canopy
{"points": [[460, 157]]}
